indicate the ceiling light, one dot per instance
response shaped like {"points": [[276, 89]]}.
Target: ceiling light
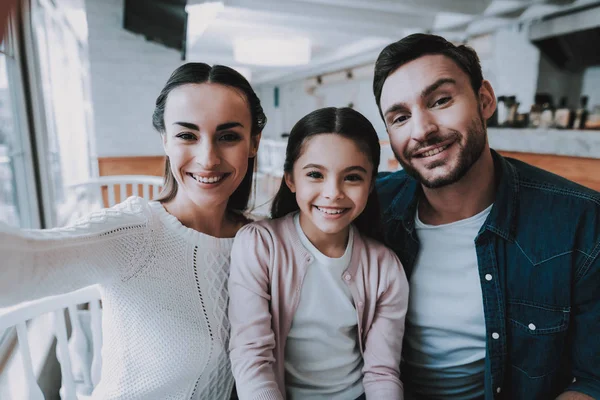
{"points": [[200, 16], [271, 51]]}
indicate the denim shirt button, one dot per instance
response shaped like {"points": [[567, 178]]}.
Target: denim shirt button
{"points": [[488, 277], [495, 335], [498, 390], [574, 380], [531, 326]]}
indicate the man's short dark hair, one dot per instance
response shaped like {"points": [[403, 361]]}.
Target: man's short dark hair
{"points": [[417, 45]]}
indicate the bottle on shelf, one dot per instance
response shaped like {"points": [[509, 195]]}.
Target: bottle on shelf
{"points": [[501, 111], [547, 116], [511, 110], [564, 116], [535, 113], [581, 114]]}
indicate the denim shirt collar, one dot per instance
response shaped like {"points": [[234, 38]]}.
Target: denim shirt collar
{"points": [[503, 216]]}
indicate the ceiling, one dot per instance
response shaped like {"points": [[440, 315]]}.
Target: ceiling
{"points": [[347, 33]]}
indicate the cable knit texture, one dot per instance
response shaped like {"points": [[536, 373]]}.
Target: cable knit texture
{"points": [[164, 293]]}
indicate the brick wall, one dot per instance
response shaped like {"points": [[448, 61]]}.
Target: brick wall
{"points": [[127, 74]]}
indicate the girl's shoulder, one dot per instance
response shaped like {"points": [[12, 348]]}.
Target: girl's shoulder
{"points": [[272, 226], [267, 232]]}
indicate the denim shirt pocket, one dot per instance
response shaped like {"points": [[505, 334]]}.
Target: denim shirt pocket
{"points": [[537, 336]]}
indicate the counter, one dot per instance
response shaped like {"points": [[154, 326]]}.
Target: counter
{"points": [[571, 143]]}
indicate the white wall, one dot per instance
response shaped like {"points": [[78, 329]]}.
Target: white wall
{"points": [[296, 99], [559, 83], [591, 86], [515, 66], [127, 74]]}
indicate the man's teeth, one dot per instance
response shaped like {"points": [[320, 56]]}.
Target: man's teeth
{"points": [[435, 151], [212, 179], [331, 211]]}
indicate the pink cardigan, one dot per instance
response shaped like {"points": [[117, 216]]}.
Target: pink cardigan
{"points": [[268, 264]]}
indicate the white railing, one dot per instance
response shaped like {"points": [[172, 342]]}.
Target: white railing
{"points": [[79, 355], [147, 187], [76, 350]]}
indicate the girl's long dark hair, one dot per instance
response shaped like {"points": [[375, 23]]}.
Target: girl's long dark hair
{"points": [[347, 123], [220, 74]]}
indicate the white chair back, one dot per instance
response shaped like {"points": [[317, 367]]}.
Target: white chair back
{"points": [[114, 189], [18, 317]]}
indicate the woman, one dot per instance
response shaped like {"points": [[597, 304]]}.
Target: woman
{"points": [[162, 265]]}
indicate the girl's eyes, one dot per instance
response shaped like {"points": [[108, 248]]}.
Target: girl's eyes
{"points": [[349, 178], [354, 178], [314, 175], [229, 137]]}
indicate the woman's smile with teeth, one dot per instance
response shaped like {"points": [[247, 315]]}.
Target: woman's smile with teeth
{"points": [[435, 151], [211, 179], [331, 211]]}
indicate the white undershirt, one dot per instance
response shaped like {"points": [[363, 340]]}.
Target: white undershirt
{"points": [[445, 326], [322, 358]]}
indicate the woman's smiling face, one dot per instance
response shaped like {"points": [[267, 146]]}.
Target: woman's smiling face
{"points": [[208, 141]]}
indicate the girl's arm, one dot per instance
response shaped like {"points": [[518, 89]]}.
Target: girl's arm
{"points": [[40, 263], [252, 340], [383, 346]]}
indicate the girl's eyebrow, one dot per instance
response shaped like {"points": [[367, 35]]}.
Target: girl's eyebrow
{"points": [[348, 169]]}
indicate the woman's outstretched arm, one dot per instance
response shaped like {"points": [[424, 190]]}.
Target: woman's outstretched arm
{"points": [[40, 263]]}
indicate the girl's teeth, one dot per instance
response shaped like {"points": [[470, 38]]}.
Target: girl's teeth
{"points": [[330, 211]]}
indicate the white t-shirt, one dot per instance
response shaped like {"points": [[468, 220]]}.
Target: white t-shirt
{"points": [[444, 354], [322, 358]]}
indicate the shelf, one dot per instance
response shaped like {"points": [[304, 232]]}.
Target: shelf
{"points": [[572, 143]]}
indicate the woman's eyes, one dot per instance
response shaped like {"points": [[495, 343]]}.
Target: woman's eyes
{"points": [[225, 137], [186, 136]]}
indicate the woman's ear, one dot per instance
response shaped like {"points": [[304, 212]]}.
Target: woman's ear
{"points": [[289, 181], [254, 143]]}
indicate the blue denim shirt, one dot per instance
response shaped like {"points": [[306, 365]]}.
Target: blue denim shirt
{"points": [[540, 245]]}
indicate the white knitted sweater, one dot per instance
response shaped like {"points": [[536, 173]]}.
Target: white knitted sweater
{"points": [[164, 294]]}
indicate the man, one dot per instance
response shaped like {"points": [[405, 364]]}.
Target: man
{"points": [[502, 257]]}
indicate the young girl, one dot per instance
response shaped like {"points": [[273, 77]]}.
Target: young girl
{"points": [[317, 304], [162, 265]]}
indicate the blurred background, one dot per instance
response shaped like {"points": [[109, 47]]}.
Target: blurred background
{"points": [[78, 81]]}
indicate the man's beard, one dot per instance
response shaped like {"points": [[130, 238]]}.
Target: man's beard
{"points": [[468, 155]]}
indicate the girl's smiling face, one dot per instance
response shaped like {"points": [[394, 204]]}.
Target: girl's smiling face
{"points": [[332, 180]]}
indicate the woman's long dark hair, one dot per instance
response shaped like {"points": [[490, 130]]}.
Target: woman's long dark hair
{"points": [[347, 123], [222, 75]]}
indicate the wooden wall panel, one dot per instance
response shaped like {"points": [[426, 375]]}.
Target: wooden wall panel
{"points": [[151, 165], [585, 171]]}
